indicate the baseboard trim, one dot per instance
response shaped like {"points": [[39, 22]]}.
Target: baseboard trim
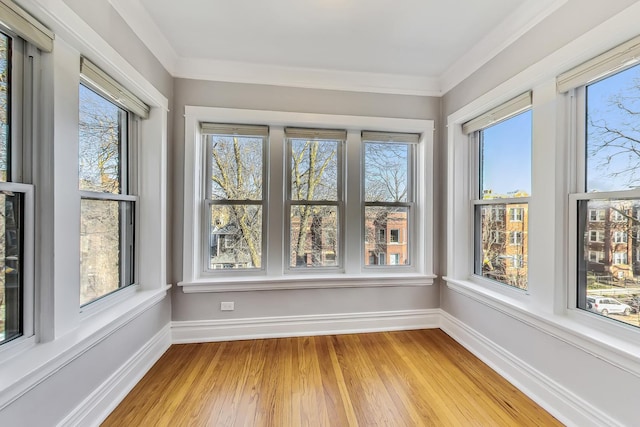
{"points": [[307, 325], [98, 405], [562, 403]]}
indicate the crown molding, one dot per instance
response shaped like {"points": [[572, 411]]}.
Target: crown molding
{"points": [[514, 26], [503, 35], [240, 72], [137, 18]]}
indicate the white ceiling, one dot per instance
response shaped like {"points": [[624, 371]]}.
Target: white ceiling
{"points": [[392, 46]]}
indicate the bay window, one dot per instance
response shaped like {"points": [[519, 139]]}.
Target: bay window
{"points": [[288, 200]]}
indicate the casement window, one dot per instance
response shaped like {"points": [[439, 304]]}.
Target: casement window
{"points": [[501, 141], [22, 38], [605, 96], [108, 121], [234, 197], [389, 190], [268, 200], [315, 197]]}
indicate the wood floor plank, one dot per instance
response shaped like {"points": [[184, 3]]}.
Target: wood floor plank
{"points": [[404, 378]]}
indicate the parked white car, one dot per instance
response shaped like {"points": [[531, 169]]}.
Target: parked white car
{"points": [[606, 305]]}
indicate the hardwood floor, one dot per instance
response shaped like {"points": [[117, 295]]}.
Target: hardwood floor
{"points": [[407, 378]]}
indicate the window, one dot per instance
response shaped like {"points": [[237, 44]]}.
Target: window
{"points": [[619, 237], [314, 197], [607, 167], [18, 71], [315, 222], [596, 214], [596, 236], [516, 238], [389, 189], [516, 214], [107, 129], [234, 196], [620, 258], [394, 259], [596, 256], [503, 184], [618, 216]]}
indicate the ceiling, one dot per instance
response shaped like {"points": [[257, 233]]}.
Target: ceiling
{"points": [[420, 47]]}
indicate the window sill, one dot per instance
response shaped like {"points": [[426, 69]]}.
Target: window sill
{"points": [[240, 284], [611, 342], [34, 364]]}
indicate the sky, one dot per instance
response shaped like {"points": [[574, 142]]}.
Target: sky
{"points": [[506, 165], [601, 109]]}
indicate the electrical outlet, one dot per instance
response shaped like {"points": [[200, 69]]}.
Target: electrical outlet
{"points": [[227, 306]]}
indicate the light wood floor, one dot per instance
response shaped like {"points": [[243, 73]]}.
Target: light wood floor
{"points": [[412, 378]]}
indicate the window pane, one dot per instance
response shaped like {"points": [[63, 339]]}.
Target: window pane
{"points": [[502, 244], [613, 132], [102, 129], [609, 258], [386, 172], [5, 104], [314, 231], [505, 158], [236, 167], [314, 169], [235, 238], [386, 236], [10, 266], [106, 247]]}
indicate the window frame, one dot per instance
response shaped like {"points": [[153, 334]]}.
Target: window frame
{"points": [[208, 202], [275, 276], [339, 203], [409, 204], [524, 104], [127, 195], [22, 92]]}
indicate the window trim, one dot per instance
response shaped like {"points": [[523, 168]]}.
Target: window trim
{"points": [[194, 281]]}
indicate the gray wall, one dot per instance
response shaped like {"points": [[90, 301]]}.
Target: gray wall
{"points": [[287, 302], [560, 361]]}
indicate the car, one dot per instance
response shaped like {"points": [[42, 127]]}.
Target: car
{"points": [[607, 305]]}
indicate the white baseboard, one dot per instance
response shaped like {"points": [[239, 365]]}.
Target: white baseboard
{"points": [[292, 326], [560, 402], [98, 405]]}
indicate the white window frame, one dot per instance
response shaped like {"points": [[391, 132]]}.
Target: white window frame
{"points": [[516, 214], [597, 215], [274, 275], [128, 193], [516, 238], [338, 204], [206, 214], [23, 93], [599, 234], [620, 237], [596, 256], [472, 130], [620, 258], [617, 216]]}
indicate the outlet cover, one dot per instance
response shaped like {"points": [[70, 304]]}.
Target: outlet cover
{"points": [[227, 306]]}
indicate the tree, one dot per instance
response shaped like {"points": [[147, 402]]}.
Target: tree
{"points": [[613, 129], [101, 124], [314, 176], [236, 175]]}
